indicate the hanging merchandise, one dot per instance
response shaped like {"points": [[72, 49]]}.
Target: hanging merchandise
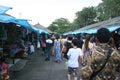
{"points": [[0, 33], [32, 37], [4, 34], [38, 44], [4, 71], [23, 32]]}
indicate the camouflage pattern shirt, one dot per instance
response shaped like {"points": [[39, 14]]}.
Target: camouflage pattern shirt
{"points": [[96, 59]]}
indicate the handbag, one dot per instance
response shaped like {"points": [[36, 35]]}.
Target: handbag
{"points": [[64, 49], [43, 44]]}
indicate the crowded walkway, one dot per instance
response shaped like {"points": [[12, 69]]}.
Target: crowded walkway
{"points": [[37, 68]]}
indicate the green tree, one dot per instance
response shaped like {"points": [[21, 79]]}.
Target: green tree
{"points": [[86, 16], [60, 25], [101, 15], [111, 8], [89, 15]]}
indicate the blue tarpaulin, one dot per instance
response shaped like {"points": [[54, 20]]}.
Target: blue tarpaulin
{"points": [[113, 28], [23, 22], [39, 30], [90, 31], [6, 18], [3, 9]]}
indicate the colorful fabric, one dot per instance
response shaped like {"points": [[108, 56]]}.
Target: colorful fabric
{"points": [[58, 51], [4, 71]]}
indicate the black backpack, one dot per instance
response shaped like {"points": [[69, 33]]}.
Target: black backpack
{"points": [[68, 46]]}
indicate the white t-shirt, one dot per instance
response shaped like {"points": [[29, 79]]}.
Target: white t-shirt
{"points": [[74, 54], [49, 41]]}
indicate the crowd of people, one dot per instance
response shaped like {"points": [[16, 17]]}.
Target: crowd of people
{"points": [[97, 54], [88, 57]]}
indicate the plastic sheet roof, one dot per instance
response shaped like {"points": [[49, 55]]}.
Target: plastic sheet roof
{"points": [[3, 9], [92, 31], [23, 22], [4, 18], [113, 28]]}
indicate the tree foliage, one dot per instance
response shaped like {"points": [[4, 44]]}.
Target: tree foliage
{"points": [[60, 25], [106, 10], [86, 16], [112, 8]]}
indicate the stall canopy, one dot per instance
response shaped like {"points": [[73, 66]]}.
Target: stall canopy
{"points": [[25, 24], [3, 9], [90, 31], [4, 18], [94, 30], [113, 28]]}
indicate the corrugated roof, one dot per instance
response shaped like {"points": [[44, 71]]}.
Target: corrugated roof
{"points": [[105, 24]]}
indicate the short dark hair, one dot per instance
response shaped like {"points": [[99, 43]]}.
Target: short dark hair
{"points": [[75, 42], [57, 36], [103, 35], [78, 36], [70, 37]]}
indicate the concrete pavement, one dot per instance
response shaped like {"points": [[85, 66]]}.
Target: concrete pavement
{"points": [[38, 69]]}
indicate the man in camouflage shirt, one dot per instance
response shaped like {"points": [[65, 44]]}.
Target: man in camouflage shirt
{"points": [[97, 57]]}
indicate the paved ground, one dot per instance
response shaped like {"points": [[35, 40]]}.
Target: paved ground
{"points": [[38, 69]]}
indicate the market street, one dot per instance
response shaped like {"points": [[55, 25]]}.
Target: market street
{"points": [[38, 69]]}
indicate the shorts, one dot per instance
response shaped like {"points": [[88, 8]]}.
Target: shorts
{"points": [[73, 71]]}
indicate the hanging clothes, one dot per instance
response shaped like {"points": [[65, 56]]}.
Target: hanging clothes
{"points": [[4, 33]]}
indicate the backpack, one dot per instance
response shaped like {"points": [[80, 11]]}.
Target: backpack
{"points": [[66, 48], [80, 43]]}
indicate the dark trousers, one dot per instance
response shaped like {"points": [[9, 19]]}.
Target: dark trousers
{"points": [[48, 53]]}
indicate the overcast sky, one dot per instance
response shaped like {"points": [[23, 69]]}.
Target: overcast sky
{"points": [[46, 11]]}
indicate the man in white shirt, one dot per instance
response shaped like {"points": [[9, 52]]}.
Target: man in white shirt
{"points": [[74, 55], [48, 48]]}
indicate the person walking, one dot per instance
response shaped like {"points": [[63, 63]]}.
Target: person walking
{"points": [[48, 51], [74, 55], [86, 47], [43, 42], [80, 41], [57, 49], [67, 46], [103, 62]]}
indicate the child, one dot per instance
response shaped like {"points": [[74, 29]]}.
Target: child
{"points": [[4, 75], [74, 55]]}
